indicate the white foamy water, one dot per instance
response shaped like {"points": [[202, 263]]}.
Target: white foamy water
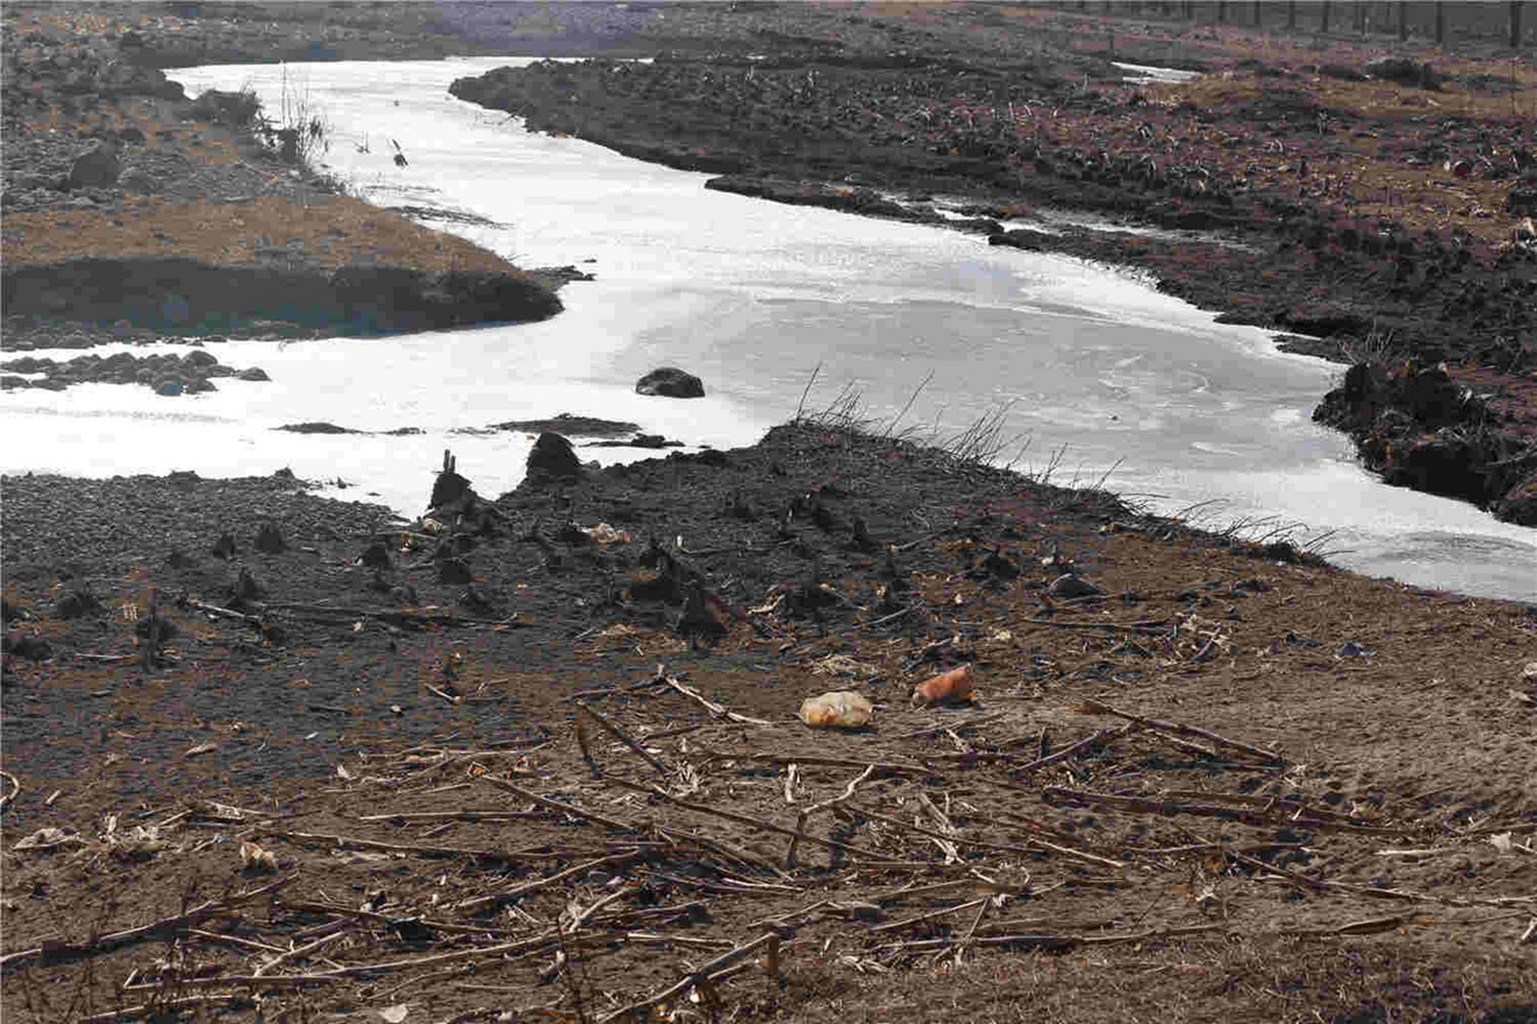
{"points": [[752, 296]]}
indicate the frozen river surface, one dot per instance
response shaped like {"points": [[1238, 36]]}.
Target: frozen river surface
{"points": [[752, 296]]}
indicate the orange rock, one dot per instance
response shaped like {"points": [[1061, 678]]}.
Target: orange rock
{"points": [[954, 685]]}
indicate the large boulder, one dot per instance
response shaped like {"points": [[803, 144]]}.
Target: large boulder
{"points": [[552, 459], [96, 167], [670, 382]]}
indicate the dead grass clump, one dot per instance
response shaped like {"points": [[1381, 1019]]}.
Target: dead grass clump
{"points": [[330, 232]]}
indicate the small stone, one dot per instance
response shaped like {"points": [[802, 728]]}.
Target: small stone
{"points": [[269, 540], [553, 458], [254, 373], [1069, 586], [454, 571]]}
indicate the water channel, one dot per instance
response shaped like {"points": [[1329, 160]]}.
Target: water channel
{"points": [[1100, 372]]}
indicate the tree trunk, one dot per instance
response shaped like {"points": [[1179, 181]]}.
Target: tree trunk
{"points": [[1403, 21], [1515, 24], [1291, 15], [1440, 24], [1221, 11], [1257, 15], [1324, 29]]}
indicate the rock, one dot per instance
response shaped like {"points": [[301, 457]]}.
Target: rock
{"points": [[454, 571], [245, 589], [12, 381], [169, 387], [75, 604], [197, 359], [670, 382], [1070, 586], [376, 556], [93, 168], [1404, 71], [568, 425], [319, 427], [1519, 504], [269, 540], [450, 487], [553, 458], [254, 373], [224, 547], [137, 179], [32, 648], [1521, 200]]}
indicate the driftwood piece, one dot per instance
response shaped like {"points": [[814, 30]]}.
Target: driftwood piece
{"points": [[560, 805], [800, 821], [743, 819], [1087, 743], [700, 974], [718, 710], [501, 899], [1261, 819], [1036, 845], [881, 767], [5, 801], [165, 928], [622, 736], [1179, 729], [502, 856]]}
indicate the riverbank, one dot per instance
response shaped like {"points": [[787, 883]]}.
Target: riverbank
{"points": [[133, 211], [394, 713], [1367, 214]]}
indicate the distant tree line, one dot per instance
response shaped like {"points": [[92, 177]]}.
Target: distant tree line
{"points": [[1484, 21]]}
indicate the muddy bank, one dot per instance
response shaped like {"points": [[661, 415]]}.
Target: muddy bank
{"points": [[1289, 242], [209, 663], [131, 208], [180, 295]]}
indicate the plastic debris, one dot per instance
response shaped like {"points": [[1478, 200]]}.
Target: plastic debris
{"points": [[842, 709], [947, 687]]}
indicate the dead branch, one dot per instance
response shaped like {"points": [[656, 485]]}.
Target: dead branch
{"points": [[1087, 743], [157, 1007], [165, 928], [742, 819], [622, 736], [5, 801], [498, 900], [800, 821], [702, 973], [248, 981], [560, 805], [500, 856], [1147, 805], [932, 915], [1185, 730], [881, 767], [718, 710], [1036, 845]]}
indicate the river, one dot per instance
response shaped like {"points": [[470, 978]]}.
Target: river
{"points": [[1103, 376]]}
